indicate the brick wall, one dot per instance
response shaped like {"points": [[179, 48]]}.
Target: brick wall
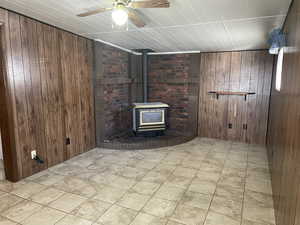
{"points": [[116, 91], [117, 85], [170, 81]]}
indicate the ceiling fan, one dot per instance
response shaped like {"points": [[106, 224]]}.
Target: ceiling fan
{"points": [[122, 10]]}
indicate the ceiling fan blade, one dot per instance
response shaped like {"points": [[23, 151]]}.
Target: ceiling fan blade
{"points": [[136, 19], [93, 12], [150, 4]]}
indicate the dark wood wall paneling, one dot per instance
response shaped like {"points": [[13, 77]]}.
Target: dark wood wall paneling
{"points": [[284, 130], [244, 71], [49, 95]]}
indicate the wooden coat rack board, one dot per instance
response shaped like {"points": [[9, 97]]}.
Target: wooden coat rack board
{"points": [[218, 93]]}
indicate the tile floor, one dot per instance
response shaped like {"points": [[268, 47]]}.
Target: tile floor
{"points": [[203, 182]]}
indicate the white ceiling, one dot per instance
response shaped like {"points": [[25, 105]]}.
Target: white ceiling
{"points": [[189, 25]]}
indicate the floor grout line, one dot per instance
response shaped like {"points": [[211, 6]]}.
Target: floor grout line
{"points": [[214, 194]]}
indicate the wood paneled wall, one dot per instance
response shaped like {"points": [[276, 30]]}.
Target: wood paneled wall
{"points": [[284, 129], [47, 74], [246, 71]]}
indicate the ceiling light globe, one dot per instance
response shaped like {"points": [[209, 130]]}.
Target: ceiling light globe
{"points": [[119, 16]]}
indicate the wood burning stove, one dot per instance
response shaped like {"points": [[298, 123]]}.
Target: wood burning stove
{"points": [[150, 116]]}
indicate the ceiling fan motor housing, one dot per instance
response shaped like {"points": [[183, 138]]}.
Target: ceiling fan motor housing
{"points": [[121, 3]]}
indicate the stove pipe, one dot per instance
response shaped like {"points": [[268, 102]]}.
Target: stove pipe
{"points": [[145, 74]]}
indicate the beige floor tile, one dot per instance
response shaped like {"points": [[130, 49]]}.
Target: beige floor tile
{"points": [[170, 222], [219, 219], [67, 202], [191, 163], [178, 181], [172, 160], [155, 177], [117, 215], [258, 199], [146, 188], [48, 179], [89, 190], [203, 186], [123, 183], [110, 194], [133, 173], [38, 175], [159, 207], [189, 215], [8, 186], [133, 201], [196, 199], [211, 168], [66, 169], [259, 214], [145, 164], [87, 174], [184, 172], [73, 220], [2, 193], [211, 176], [236, 182], [230, 192], [235, 165], [215, 159], [21, 211], [232, 172], [28, 189], [91, 209], [248, 222], [105, 178], [263, 186], [8, 200], [258, 208], [258, 174], [46, 196], [4, 221], [146, 219], [70, 184], [165, 169], [45, 216], [226, 206], [81, 161], [169, 193]]}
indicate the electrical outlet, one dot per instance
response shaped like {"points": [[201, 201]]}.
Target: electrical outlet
{"points": [[33, 154]]}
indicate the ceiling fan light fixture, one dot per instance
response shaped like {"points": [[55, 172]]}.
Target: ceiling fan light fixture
{"points": [[120, 15]]}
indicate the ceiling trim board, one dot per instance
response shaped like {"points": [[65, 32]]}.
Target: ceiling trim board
{"points": [[174, 53], [150, 53], [237, 50], [118, 47]]}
